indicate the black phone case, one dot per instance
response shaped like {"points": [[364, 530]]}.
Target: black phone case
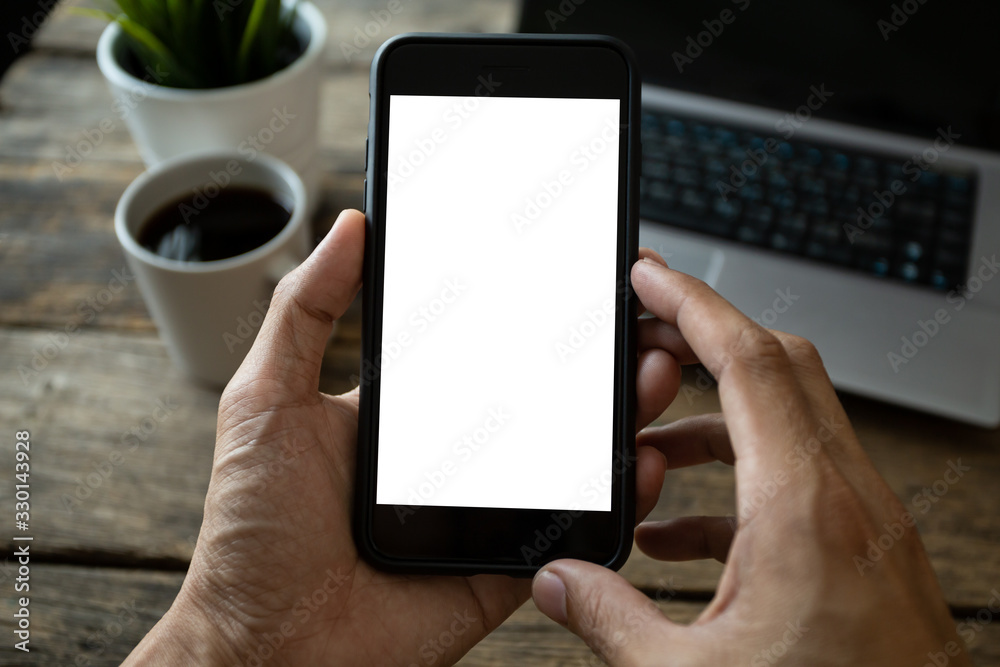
{"points": [[365, 476]]}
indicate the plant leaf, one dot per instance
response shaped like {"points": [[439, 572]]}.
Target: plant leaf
{"points": [[175, 72], [249, 34]]}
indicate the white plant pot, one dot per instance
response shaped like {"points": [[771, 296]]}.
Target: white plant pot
{"points": [[278, 114]]}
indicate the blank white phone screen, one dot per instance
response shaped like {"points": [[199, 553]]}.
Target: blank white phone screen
{"points": [[498, 332]]}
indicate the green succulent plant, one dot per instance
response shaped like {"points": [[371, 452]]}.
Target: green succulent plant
{"points": [[205, 43]]}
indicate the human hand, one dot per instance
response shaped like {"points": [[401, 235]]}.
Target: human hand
{"points": [[275, 577], [808, 499]]}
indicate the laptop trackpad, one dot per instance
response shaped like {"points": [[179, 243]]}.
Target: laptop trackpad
{"points": [[697, 259]]}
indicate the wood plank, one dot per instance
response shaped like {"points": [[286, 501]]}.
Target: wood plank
{"points": [[86, 616], [80, 409], [95, 616], [65, 31]]}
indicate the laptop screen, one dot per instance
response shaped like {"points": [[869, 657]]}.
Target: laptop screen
{"points": [[911, 66]]}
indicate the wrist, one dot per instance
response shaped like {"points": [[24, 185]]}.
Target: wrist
{"points": [[190, 634]]}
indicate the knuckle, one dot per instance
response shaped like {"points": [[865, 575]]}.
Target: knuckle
{"points": [[754, 348], [293, 299], [694, 284], [801, 351], [599, 625], [285, 290]]}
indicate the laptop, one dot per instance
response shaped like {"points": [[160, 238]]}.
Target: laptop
{"points": [[833, 170]]}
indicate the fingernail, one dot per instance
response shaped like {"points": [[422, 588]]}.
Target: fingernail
{"points": [[329, 233], [549, 593], [333, 227], [656, 259], [652, 262]]}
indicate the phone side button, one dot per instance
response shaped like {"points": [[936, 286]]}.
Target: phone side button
{"points": [[366, 153], [364, 197]]}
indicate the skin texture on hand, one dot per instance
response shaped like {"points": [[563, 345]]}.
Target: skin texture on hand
{"points": [[797, 586], [275, 578]]}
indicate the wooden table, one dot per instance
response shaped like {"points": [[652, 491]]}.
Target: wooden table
{"points": [[105, 568]]}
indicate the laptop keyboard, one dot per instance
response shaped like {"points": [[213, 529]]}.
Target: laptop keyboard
{"points": [[896, 218]]}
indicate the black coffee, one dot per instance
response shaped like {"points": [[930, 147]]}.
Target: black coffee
{"points": [[194, 228]]}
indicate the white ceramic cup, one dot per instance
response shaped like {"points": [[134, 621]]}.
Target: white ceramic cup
{"points": [[208, 313]]}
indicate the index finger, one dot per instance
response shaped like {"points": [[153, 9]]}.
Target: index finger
{"points": [[766, 410]]}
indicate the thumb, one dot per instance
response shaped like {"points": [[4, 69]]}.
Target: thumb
{"points": [[617, 622], [289, 348]]}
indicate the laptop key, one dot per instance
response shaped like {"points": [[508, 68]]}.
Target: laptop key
{"points": [[786, 240], [727, 209], [913, 250], [841, 253], [782, 199], [916, 211], [955, 218], [878, 265], [750, 234], [752, 192], [688, 176], [760, 216], [909, 271], [664, 194], [693, 201], [794, 223], [655, 169], [815, 205], [951, 237]]}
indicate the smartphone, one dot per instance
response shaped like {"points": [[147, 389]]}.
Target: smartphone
{"points": [[496, 423]]}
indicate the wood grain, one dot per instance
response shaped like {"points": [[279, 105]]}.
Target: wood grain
{"points": [[122, 444], [95, 616], [85, 616]]}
